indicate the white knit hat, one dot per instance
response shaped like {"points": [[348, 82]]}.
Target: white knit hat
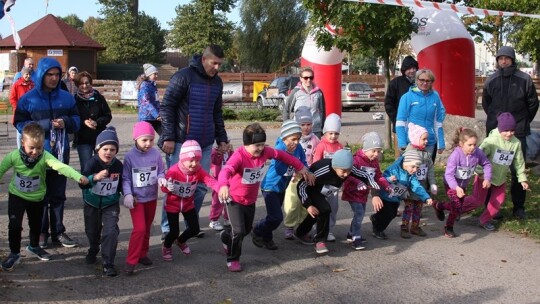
{"points": [[332, 123]]}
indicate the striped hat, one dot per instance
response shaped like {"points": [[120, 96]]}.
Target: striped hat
{"points": [[290, 127], [190, 150], [412, 156]]}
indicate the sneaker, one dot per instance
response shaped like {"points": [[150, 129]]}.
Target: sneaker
{"points": [[305, 239], [449, 232], [320, 248], [184, 248], [90, 259], [200, 235], [331, 237], [43, 238], [166, 253], [234, 266], [289, 233], [39, 252], [519, 214], [405, 234], [216, 225], [64, 240], [10, 262], [226, 223], [357, 245], [363, 240], [257, 240], [418, 231], [488, 226], [109, 270], [145, 261], [438, 213], [270, 245], [379, 235], [349, 237], [129, 269]]}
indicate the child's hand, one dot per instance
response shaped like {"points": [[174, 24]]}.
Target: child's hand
{"points": [[129, 202], [429, 201], [101, 175], [170, 185], [486, 184], [162, 182], [224, 195], [459, 192], [525, 185], [433, 189], [313, 211], [392, 178], [377, 203], [308, 176], [83, 180]]}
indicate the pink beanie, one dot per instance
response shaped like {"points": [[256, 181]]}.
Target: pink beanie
{"points": [[143, 128], [415, 133], [190, 150]]}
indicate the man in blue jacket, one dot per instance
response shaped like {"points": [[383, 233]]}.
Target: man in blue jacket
{"points": [[192, 110], [56, 112]]}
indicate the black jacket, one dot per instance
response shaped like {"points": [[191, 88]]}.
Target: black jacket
{"points": [[97, 109]]}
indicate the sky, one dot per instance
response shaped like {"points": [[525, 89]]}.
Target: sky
{"points": [[25, 12]]}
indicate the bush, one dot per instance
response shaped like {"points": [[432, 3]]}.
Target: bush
{"points": [[258, 115], [229, 114]]}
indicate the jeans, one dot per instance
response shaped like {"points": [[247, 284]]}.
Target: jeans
{"points": [[274, 216], [201, 188], [358, 210], [85, 152], [53, 207]]}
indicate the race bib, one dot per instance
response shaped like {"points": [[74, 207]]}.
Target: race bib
{"points": [[184, 189], [503, 157], [143, 177], [308, 148], [252, 175], [328, 154], [27, 183], [290, 171], [329, 190], [421, 173], [398, 190], [464, 172], [107, 186]]}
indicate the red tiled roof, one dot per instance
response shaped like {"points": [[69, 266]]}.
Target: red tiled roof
{"points": [[51, 31]]}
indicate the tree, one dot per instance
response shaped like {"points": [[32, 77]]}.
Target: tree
{"points": [[364, 64], [201, 23], [74, 21], [90, 27], [272, 34]]}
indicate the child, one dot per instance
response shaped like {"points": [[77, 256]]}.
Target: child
{"points": [[460, 166], [366, 159], [329, 176], [418, 138], [402, 175], [292, 207], [326, 148], [243, 174], [274, 183], [143, 172], [182, 180], [217, 208], [27, 190], [101, 197]]}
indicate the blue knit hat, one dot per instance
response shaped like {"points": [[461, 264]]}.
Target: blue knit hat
{"points": [[342, 159], [107, 137]]}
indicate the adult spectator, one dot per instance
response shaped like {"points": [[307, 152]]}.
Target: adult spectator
{"points": [[422, 106], [397, 88], [511, 90], [55, 111], [28, 63], [69, 80], [18, 89], [306, 94], [94, 114], [192, 109], [147, 97]]}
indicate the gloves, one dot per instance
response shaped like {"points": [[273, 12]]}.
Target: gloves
{"points": [[128, 201], [162, 182], [433, 189], [170, 185]]}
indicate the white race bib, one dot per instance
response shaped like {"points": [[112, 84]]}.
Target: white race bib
{"points": [[397, 190], [308, 148], [184, 189], [142, 177], [106, 186], [27, 183], [252, 175], [329, 190], [503, 157], [464, 172], [421, 173]]}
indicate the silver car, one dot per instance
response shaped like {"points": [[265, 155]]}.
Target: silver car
{"points": [[356, 95]]}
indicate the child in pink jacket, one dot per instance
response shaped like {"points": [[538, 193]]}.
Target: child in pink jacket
{"points": [[218, 160]]}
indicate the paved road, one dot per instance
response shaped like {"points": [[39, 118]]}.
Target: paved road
{"points": [[476, 267]]}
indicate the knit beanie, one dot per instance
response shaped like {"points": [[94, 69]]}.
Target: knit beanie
{"points": [[25, 70], [412, 156], [415, 133], [190, 150], [342, 159], [371, 141], [107, 137], [332, 123], [143, 128], [290, 127], [506, 122], [73, 68], [149, 69], [303, 115]]}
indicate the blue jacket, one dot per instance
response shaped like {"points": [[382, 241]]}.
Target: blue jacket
{"points": [[423, 110], [405, 179], [279, 174], [148, 101], [42, 107], [192, 107]]}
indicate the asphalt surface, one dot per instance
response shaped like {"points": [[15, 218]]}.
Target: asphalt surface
{"points": [[476, 267]]}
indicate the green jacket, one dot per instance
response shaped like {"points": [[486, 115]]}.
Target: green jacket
{"points": [[29, 184]]}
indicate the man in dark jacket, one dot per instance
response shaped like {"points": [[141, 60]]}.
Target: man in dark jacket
{"points": [[396, 88], [192, 110], [511, 90]]}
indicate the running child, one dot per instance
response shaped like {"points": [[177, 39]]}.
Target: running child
{"points": [[218, 160]]}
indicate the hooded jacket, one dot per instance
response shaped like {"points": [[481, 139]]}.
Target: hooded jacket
{"points": [[397, 88], [19, 88], [192, 107], [351, 185], [404, 179], [148, 100], [42, 107]]}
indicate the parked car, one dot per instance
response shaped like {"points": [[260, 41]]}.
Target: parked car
{"points": [[357, 95], [276, 93]]}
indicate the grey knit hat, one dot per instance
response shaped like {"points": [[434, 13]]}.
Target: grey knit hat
{"points": [[371, 141], [412, 156], [149, 69], [342, 159], [290, 127], [303, 115], [332, 123]]}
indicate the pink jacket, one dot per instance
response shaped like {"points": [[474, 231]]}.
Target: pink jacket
{"points": [[350, 185], [243, 173], [325, 149], [218, 160]]}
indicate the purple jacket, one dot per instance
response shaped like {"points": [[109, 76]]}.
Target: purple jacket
{"points": [[144, 167], [459, 164]]}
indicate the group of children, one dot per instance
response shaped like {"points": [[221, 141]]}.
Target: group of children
{"points": [[304, 177]]}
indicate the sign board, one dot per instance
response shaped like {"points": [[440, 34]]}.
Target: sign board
{"points": [[55, 53], [129, 90], [4, 62], [232, 91]]}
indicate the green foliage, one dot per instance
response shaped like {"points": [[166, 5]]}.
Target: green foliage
{"points": [[364, 64], [90, 27], [258, 115], [271, 35], [229, 114], [74, 21], [199, 24]]}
